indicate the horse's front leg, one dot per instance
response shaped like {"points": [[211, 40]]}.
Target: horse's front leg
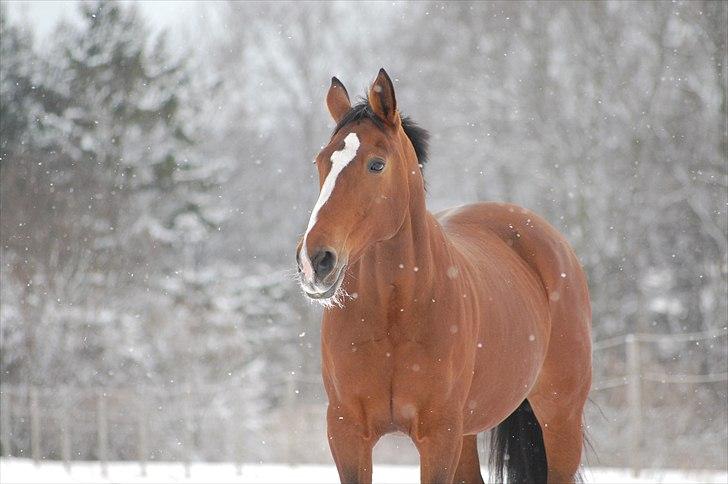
{"points": [[351, 445], [439, 442]]}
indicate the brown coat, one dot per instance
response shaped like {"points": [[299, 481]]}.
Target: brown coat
{"points": [[452, 321]]}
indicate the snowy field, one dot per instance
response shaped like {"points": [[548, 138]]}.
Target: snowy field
{"points": [[24, 471]]}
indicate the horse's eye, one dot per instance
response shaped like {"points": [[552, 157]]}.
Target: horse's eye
{"points": [[376, 165]]}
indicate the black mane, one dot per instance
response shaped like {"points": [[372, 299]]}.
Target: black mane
{"points": [[419, 137]]}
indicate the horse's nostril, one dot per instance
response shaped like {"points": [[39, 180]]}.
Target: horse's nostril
{"points": [[323, 263]]}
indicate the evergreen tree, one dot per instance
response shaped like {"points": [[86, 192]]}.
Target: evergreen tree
{"points": [[130, 121], [101, 189]]}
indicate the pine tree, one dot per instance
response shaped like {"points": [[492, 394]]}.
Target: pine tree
{"points": [[27, 199], [101, 188], [130, 120]]}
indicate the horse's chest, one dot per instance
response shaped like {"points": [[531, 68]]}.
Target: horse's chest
{"points": [[388, 380]]}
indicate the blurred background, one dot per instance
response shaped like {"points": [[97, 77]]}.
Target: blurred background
{"points": [[155, 173]]}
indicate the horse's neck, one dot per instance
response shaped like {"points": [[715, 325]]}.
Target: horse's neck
{"points": [[400, 270]]}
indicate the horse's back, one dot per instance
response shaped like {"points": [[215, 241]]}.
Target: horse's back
{"points": [[536, 242]]}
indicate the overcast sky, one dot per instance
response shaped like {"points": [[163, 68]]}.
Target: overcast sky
{"points": [[44, 14]]}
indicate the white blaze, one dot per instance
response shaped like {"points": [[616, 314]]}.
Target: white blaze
{"points": [[339, 160]]}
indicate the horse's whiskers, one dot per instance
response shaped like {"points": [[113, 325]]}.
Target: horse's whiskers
{"points": [[291, 273]]}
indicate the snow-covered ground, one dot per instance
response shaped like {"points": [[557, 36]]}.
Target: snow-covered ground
{"points": [[24, 471]]}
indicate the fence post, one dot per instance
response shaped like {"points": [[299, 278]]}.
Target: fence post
{"points": [[63, 420], [231, 452], [102, 431], [289, 415], [34, 425], [5, 419], [237, 431], [635, 401], [188, 428], [142, 432]]}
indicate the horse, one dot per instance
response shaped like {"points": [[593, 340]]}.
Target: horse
{"points": [[439, 326]]}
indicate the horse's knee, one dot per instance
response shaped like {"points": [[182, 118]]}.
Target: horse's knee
{"points": [[353, 461], [350, 476], [351, 446], [440, 452], [468, 468]]}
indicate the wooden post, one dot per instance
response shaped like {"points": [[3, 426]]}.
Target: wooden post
{"points": [[188, 429], [635, 402], [237, 430], [231, 441], [63, 422], [5, 422], [237, 447], [34, 425], [142, 433], [228, 439], [102, 431], [290, 420]]}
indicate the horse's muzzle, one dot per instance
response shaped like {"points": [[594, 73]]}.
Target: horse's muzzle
{"points": [[325, 288]]}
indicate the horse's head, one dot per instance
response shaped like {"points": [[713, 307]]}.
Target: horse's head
{"points": [[366, 173]]}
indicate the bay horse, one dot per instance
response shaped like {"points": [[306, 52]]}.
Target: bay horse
{"points": [[439, 326]]}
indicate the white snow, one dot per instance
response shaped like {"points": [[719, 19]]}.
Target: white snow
{"points": [[16, 471]]}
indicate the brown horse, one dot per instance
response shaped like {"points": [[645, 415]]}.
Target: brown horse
{"points": [[440, 326]]}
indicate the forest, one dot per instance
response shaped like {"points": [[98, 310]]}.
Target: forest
{"points": [[154, 183]]}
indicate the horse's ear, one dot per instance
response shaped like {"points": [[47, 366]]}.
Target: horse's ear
{"points": [[382, 100], [337, 100]]}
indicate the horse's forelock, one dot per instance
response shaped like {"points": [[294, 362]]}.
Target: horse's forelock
{"points": [[418, 136]]}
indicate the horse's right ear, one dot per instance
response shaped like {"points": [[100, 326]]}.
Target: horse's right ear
{"points": [[382, 100], [337, 100]]}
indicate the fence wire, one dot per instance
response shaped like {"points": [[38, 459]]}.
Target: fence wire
{"points": [[653, 338], [220, 421]]}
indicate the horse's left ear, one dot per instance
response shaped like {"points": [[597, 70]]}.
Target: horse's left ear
{"points": [[382, 100]]}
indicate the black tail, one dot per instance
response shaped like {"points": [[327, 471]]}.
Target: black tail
{"points": [[517, 449]]}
